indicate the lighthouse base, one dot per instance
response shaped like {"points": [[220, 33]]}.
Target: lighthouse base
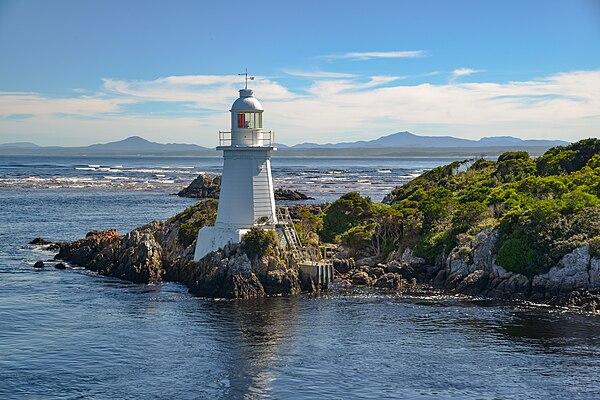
{"points": [[212, 238]]}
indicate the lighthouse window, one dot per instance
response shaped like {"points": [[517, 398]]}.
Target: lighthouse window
{"points": [[250, 120]]}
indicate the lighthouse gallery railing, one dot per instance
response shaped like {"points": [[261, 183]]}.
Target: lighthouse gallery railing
{"points": [[260, 138]]}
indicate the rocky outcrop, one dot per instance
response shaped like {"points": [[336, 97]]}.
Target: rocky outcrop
{"points": [[292, 195], [162, 251], [209, 187], [472, 269], [38, 241], [203, 187]]}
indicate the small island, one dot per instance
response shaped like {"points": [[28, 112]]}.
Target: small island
{"points": [[516, 228], [209, 187]]}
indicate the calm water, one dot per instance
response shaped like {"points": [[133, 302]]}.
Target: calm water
{"points": [[71, 334]]}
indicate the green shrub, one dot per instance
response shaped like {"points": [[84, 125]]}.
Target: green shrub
{"points": [[201, 214], [359, 238], [567, 159], [345, 213], [258, 242], [516, 255]]}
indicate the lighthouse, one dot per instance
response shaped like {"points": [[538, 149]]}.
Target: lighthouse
{"points": [[247, 199]]}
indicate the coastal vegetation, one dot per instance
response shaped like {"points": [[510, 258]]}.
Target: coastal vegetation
{"points": [[543, 208]]}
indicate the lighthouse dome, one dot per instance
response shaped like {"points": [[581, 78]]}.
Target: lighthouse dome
{"points": [[246, 102]]}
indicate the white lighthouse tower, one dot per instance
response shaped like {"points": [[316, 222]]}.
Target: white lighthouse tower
{"points": [[246, 198]]}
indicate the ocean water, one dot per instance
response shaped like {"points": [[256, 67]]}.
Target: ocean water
{"points": [[74, 335]]}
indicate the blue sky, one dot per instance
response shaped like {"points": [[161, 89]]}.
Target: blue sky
{"points": [[79, 72]]}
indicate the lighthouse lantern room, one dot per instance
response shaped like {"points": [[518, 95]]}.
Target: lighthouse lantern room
{"points": [[247, 197]]}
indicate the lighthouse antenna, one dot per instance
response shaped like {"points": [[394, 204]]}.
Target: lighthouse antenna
{"points": [[247, 78]]}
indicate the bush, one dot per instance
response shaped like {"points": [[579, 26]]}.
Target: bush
{"points": [[567, 159], [346, 212], [516, 255], [259, 242], [201, 214], [359, 238]]}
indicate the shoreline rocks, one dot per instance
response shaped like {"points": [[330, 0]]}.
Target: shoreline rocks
{"points": [[472, 269], [162, 251]]}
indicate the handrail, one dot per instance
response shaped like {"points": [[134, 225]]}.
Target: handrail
{"points": [[260, 138]]}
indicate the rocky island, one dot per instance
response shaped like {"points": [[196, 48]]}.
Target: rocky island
{"points": [[516, 228], [209, 187]]}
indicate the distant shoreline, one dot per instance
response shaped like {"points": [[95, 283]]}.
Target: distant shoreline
{"points": [[290, 153]]}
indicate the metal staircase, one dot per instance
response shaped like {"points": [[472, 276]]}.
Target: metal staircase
{"points": [[316, 266], [286, 225]]}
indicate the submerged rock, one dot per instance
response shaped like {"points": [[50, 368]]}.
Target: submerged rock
{"points": [[60, 265], [38, 264]]}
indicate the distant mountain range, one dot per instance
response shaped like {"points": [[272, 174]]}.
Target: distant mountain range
{"points": [[407, 139], [133, 145], [396, 144]]}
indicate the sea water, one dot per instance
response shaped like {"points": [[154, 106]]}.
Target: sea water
{"points": [[72, 334]]}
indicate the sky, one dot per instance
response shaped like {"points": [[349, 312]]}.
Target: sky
{"points": [[81, 72]]}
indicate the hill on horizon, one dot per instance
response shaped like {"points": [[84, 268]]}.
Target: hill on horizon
{"points": [[395, 144], [408, 139]]}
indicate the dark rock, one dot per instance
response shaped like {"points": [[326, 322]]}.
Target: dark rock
{"points": [[343, 265], [440, 278], [474, 283], [288, 194], [209, 187], [38, 241], [203, 187], [60, 265], [375, 272], [280, 281], [83, 251], [389, 281], [38, 264], [361, 278]]}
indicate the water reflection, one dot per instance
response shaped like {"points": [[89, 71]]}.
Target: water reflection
{"points": [[254, 332]]}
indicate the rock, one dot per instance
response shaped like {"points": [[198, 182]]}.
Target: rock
{"points": [[38, 264], [60, 265], [288, 194], [343, 265], [203, 187], [38, 241], [281, 281], [360, 278], [375, 272], [368, 261], [570, 274], [83, 251], [474, 283], [389, 281], [483, 249], [209, 187], [440, 278], [56, 246], [595, 272]]}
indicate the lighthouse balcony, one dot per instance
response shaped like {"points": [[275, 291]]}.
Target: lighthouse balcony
{"points": [[253, 138]]}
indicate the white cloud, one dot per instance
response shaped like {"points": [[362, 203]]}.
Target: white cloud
{"points": [[318, 74], [464, 72], [377, 54], [562, 106]]}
